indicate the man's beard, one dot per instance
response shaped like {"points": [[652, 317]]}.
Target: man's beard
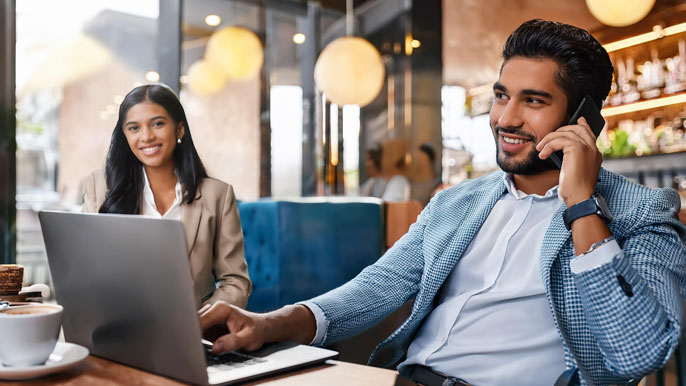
{"points": [[531, 165]]}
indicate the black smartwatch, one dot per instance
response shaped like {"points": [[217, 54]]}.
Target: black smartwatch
{"points": [[594, 205]]}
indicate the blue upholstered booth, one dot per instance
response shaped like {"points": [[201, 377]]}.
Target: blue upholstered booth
{"points": [[298, 249]]}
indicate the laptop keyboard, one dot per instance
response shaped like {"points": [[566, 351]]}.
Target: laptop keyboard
{"points": [[230, 360]]}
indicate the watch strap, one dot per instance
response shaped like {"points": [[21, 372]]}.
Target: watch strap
{"points": [[581, 209]]}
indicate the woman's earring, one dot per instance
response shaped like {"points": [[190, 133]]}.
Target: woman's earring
{"points": [[178, 140]]}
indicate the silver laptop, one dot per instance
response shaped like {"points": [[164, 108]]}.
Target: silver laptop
{"points": [[126, 288]]}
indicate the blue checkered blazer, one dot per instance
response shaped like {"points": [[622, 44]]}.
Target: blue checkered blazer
{"points": [[618, 321]]}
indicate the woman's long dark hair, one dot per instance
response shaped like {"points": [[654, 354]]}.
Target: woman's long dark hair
{"points": [[123, 171]]}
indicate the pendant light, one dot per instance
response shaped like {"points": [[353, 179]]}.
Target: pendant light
{"points": [[349, 71], [238, 51], [620, 13]]}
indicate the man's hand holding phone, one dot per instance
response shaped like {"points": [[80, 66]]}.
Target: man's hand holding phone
{"points": [[581, 162]]}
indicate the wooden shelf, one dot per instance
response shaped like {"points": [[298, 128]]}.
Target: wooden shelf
{"points": [[644, 105], [646, 163]]}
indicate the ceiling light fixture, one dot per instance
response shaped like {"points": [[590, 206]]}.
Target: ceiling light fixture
{"points": [[238, 51], [213, 20], [299, 38], [349, 71], [619, 13], [152, 76]]}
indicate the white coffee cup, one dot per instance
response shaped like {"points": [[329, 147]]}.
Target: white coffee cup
{"points": [[28, 334]]}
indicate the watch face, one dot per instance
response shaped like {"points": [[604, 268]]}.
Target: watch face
{"points": [[602, 206]]}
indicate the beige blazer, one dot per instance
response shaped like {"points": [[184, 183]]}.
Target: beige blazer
{"points": [[214, 236]]}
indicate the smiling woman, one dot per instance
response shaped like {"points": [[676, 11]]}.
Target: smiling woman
{"points": [[153, 169]]}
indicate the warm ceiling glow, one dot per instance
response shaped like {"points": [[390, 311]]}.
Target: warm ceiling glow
{"points": [[416, 43], [206, 77], [152, 76], [646, 37], [299, 38], [238, 51], [644, 105], [213, 20], [620, 13], [408, 45]]}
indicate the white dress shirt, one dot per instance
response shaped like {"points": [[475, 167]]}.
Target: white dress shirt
{"points": [[492, 324], [397, 189], [150, 208]]}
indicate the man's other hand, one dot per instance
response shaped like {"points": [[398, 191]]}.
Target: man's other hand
{"points": [[231, 328]]}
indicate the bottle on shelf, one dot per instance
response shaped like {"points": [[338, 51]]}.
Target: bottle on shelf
{"points": [[615, 99], [630, 88], [651, 79], [672, 83]]}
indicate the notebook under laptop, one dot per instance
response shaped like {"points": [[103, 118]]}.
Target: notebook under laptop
{"points": [[126, 288]]}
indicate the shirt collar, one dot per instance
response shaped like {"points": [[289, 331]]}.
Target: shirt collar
{"points": [[518, 194], [149, 197]]}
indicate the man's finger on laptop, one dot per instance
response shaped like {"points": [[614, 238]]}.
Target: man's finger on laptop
{"points": [[245, 339], [250, 339], [226, 343], [213, 332], [217, 313]]}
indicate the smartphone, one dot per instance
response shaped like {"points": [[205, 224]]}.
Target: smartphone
{"points": [[588, 110]]}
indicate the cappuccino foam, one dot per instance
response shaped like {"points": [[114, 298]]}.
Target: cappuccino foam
{"points": [[29, 310]]}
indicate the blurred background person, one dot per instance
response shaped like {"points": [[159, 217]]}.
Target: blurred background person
{"points": [[374, 185], [385, 166], [426, 179], [393, 171]]}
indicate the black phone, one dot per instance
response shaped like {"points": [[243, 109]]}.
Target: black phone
{"points": [[590, 111]]}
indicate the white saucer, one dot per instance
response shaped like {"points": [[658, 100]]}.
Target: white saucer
{"points": [[63, 357]]}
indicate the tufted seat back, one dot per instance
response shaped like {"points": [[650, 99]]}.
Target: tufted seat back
{"points": [[297, 249]]}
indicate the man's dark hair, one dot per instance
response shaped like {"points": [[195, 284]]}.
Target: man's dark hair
{"points": [[585, 66], [429, 151], [374, 154]]}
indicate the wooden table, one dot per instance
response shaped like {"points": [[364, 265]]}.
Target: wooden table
{"points": [[98, 371]]}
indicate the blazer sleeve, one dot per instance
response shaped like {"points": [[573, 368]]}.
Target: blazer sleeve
{"points": [[228, 264], [633, 304], [91, 187], [379, 289]]}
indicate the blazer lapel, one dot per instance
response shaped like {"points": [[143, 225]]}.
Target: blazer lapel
{"points": [[464, 230], [190, 216], [555, 238]]}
